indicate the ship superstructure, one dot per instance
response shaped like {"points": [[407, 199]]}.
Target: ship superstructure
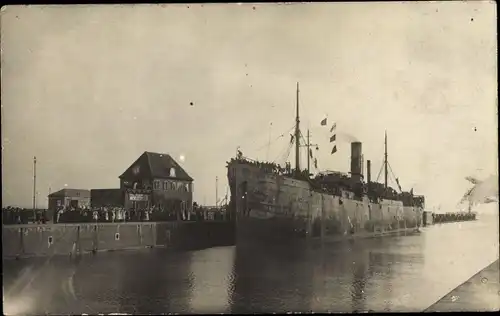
{"points": [[275, 204]]}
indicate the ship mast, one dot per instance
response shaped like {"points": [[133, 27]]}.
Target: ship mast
{"points": [[385, 163], [308, 154], [297, 135]]}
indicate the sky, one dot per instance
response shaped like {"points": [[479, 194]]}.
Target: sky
{"points": [[87, 89]]}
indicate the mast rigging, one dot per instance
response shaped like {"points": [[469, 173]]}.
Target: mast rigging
{"points": [[309, 152], [297, 135], [385, 163]]}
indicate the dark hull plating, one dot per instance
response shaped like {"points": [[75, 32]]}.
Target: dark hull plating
{"points": [[273, 209]]}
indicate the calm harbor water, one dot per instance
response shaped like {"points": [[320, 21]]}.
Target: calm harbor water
{"points": [[403, 273]]}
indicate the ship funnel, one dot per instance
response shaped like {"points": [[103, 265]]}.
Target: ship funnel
{"points": [[356, 161], [368, 171]]}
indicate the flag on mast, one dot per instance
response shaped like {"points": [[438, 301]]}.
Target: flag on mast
{"points": [[333, 127], [323, 122], [333, 138]]}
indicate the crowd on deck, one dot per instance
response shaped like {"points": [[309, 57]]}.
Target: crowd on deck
{"points": [[14, 215], [271, 167]]}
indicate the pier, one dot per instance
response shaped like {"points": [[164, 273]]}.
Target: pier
{"points": [[453, 217], [39, 240], [480, 293]]}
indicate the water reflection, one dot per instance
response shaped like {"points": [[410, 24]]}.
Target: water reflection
{"points": [[358, 284], [39, 285], [212, 275], [271, 280], [360, 275], [129, 282]]}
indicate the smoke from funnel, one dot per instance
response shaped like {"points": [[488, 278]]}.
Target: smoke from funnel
{"points": [[347, 137], [485, 191]]}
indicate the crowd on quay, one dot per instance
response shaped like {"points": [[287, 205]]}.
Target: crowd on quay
{"points": [[13, 215], [18, 215]]}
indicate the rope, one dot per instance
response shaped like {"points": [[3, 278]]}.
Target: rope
{"points": [[281, 154], [284, 156], [394, 177], [269, 143], [380, 171], [288, 152]]}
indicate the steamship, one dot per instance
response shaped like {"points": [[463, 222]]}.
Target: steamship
{"points": [[274, 205]]}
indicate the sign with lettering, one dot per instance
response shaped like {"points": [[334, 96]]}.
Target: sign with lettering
{"points": [[138, 197]]}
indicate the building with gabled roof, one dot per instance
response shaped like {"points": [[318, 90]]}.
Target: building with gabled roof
{"points": [[156, 179], [156, 165]]}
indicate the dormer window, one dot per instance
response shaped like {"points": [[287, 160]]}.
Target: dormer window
{"points": [[136, 170], [172, 172]]}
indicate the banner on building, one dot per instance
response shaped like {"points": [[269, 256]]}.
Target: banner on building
{"points": [[138, 197]]}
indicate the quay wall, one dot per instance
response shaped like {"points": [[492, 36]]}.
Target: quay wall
{"points": [[34, 240]]}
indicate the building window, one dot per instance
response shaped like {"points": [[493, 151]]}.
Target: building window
{"points": [[136, 170], [186, 187], [172, 172], [165, 185], [156, 184]]}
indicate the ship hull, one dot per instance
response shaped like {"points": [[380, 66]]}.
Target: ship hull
{"points": [[275, 210], [251, 232]]}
